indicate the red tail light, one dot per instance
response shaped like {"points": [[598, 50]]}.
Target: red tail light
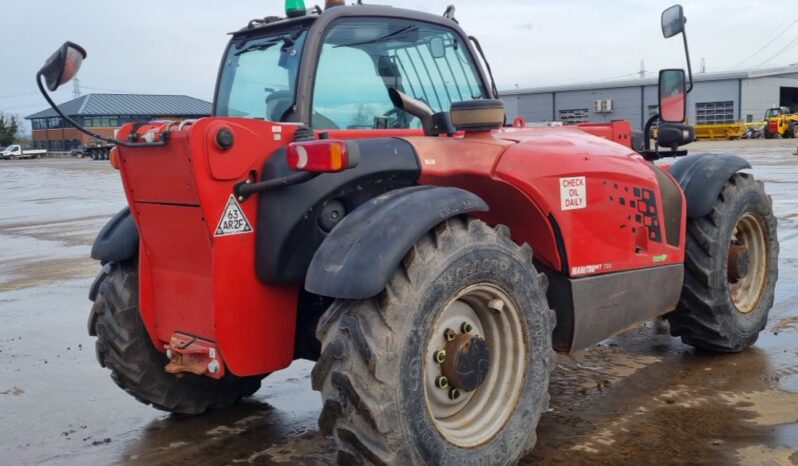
{"points": [[322, 156]]}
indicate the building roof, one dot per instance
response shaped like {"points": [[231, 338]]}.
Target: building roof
{"points": [[130, 104], [697, 77]]}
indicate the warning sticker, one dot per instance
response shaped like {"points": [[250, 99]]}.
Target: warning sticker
{"points": [[573, 193], [233, 221]]}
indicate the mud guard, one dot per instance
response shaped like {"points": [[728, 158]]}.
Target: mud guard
{"points": [[702, 176], [358, 257], [118, 240]]}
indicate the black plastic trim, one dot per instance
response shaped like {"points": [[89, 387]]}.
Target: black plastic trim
{"points": [[671, 196], [288, 228], [359, 256], [591, 309], [118, 240], [702, 177], [560, 243]]}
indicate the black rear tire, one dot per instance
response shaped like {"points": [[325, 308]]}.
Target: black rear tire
{"points": [[791, 132], [712, 314], [373, 369], [124, 346]]}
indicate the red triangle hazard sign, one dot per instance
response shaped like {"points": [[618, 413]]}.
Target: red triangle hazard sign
{"points": [[233, 221]]}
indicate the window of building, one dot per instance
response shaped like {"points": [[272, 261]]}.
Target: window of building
{"points": [[54, 122], [749, 118], [574, 116], [714, 112]]}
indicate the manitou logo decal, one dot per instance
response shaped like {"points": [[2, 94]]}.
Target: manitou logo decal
{"points": [[589, 269], [233, 221], [573, 193]]}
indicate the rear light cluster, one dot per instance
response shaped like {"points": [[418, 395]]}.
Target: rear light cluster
{"points": [[322, 156], [113, 157]]}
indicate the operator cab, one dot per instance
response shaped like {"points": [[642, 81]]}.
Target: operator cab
{"points": [[776, 112], [352, 68]]}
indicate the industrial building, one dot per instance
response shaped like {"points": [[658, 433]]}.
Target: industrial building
{"points": [[105, 113], [726, 97]]}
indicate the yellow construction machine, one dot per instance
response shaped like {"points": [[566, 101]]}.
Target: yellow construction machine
{"points": [[780, 122]]}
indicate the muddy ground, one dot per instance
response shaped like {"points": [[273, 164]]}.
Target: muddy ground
{"points": [[637, 399]]}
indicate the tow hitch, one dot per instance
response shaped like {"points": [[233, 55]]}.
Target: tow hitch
{"points": [[191, 354]]}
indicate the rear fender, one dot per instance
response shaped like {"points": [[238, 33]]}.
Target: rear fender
{"points": [[702, 177], [358, 257], [118, 240]]}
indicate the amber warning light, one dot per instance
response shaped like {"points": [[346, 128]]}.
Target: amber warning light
{"points": [[322, 156]]}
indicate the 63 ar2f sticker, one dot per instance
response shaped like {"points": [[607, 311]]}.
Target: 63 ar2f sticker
{"points": [[233, 221]]}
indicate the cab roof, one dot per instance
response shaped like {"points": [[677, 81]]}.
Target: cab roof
{"points": [[257, 26]]}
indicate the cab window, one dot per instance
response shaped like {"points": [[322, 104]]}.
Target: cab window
{"points": [[362, 59]]}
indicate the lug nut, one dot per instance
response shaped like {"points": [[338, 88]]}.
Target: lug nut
{"points": [[449, 334], [442, 382], [213, 366], [454, 394], [440, 356], [466, 327]]}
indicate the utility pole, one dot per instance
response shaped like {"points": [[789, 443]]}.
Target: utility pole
{"points": [[642, 69], [703, 65], [76, 88]]}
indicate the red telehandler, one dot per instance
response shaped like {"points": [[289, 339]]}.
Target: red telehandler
{"points": [[357, 200]]}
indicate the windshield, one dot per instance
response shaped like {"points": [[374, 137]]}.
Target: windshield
{"points": [[259, 76], [363, 58]]}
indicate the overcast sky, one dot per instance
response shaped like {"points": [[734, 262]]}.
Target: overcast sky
{"points": [[174, 47]]}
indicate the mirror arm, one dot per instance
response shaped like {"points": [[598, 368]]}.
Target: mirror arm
{"points": [[164, 136], [647, 130], [689, 65]]}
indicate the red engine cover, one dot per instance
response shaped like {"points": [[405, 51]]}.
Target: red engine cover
{"points": [[194, 280]]}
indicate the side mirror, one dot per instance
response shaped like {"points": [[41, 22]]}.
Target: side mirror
{"points": [[436, 47], [673, 21], [672, 96], [63, 65]]}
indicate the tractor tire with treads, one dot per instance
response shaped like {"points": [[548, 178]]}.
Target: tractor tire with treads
{"points": [[124, 346], [731, 268], [385, 398]]}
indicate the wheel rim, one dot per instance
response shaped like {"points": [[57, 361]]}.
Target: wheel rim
{"points": [[748, 260], [478, 415]]}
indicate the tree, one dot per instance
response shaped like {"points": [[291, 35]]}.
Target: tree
{"points": [[9, 129]]}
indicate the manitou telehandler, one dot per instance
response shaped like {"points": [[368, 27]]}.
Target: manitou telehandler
{"points": [[356, 199]]}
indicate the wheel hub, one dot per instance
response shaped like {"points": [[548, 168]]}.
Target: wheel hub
{"points": [[467, 362], [739, 261], [476, 365], [748, 262]]}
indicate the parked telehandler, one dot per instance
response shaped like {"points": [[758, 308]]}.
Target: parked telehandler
{"points": [[780, 122], [356, 199]]}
